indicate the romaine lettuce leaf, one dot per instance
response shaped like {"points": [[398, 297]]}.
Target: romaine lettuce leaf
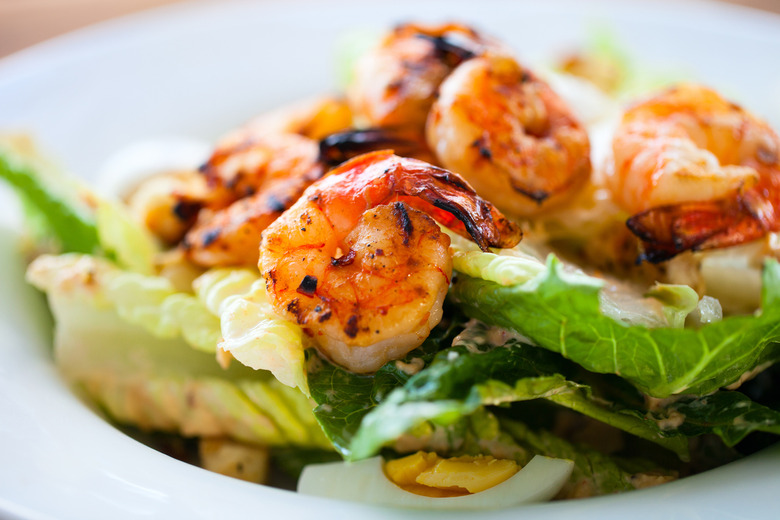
{"points": [[125, 241], [559, 311], [730, 415], [229, 310], [477, 434], [346, 399], [51, 202], [468, 376], [150, 302], [62, 210], [484, 369], [157, 381], [257, 337], [343, 398]]}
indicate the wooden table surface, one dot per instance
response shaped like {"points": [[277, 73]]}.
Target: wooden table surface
{"points": [[25, 22]]}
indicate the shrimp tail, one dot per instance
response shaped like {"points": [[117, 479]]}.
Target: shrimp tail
{"points": [[454, 49], [341, 146], [672, 229], [456, 203], [381, 177]]}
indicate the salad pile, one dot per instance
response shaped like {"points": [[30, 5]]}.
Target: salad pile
{"points": [[308, 296]]}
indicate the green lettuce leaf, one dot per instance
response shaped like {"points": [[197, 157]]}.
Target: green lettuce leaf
{"points": [[559, 311], [53, 204], [125, 241], [468, 376], [343, 398], [729, 415], [63, 211], [484, 369], [229, 310]]}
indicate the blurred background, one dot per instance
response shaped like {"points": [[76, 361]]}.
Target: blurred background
{"points": [[26, 22]]}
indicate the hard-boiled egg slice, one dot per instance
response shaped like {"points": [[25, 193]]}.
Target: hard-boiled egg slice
{"points": [[365, 481]]}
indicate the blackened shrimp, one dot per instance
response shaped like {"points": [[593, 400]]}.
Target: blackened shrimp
{"points": [[360, 264], [696, 171]]}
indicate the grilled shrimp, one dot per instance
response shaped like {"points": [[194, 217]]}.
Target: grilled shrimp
{"points": [[267, 175], [696, 171], [509, 135], [251, 184], [258, 171], [483, 115], [395, 84], [312, 118], [283, 140], [360, 264], [167, 204], [276, 153]]}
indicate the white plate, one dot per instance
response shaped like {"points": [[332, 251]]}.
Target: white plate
{"points": [[196, 70]]}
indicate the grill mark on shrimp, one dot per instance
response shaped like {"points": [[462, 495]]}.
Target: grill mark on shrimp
{"points": [[766, 156], [308, 285], [448, 49], [342, 146], [186, 210], [402, 217], [276, 203], [351, 329], [461, 215], [211, 236]]}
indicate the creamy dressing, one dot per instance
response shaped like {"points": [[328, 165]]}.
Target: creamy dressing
{"points": [[476, 336], [673, 421], [750, 374], [411, 368]]}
